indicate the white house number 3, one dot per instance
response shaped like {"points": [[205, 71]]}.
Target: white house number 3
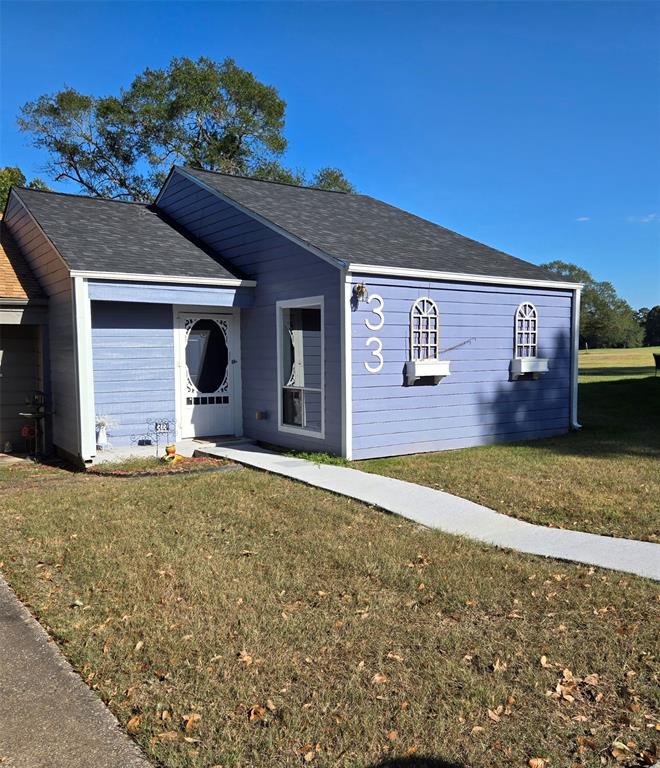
{"points": [[373, 343]]}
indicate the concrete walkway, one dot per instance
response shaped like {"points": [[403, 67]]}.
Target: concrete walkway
{"points": [[452, 514], [49, 718]]}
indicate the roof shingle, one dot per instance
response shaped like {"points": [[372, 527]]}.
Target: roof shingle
{"points": [[111, 236], [360, 229]]}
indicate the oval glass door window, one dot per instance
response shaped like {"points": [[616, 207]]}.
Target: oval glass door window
{"points": [[206, 356]]}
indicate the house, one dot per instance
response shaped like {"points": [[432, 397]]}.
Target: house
{"points": [[308, 319]]}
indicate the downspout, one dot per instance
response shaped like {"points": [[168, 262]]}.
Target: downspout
{"points": [[575, 333]]}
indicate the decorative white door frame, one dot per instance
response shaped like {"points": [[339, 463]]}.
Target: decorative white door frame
{"points": [[234, 368]]}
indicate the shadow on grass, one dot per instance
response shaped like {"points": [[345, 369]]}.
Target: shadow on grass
{"points": [[417, 762], [637, 371]]}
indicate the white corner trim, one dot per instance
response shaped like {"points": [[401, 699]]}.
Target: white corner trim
{"points": [[262, 220], [345, 293], [82, 327], [575, 359], [423, 274], [308, 301], [137, 277]]}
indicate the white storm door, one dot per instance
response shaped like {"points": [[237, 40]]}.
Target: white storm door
{"points": [[206, 369]]}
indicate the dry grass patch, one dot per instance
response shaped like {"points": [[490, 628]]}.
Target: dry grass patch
{"points": [[246, 620]]}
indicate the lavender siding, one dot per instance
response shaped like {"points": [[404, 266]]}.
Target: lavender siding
{"points": [[283, 270], [53, 276], [133, 352], [477, 403]]}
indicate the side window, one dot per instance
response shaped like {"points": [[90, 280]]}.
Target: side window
{"points": [[300, 331], [526, 331], [424, 330]]}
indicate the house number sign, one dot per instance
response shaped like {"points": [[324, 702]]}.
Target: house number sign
{"points": [[373, 343]]}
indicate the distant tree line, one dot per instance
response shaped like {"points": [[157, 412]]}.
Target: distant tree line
{"points": [[607, 320]]}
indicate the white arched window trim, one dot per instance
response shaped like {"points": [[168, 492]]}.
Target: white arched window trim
{"points": [[425, 343], [424, 330], [526, 331], [526, 343]]}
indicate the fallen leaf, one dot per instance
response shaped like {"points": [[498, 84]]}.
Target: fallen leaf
{"points": [[167, 736], [270, 705], [499, 666], [191, 721], [537, 762], [245, 658], [545, 664], [133, 725], [394, 657], [392, 735], [493, 716], [308, 756], [138, 646], [378, 678], [256, 713]]}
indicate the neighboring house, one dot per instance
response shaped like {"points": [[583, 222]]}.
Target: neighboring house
{"points": [[23, 344], [308, 319]]}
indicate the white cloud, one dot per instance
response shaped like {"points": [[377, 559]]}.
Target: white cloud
{"points": [[583, 218], [643, 219]]}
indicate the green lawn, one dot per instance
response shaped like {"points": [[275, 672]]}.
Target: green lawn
{"points": [[604, 479], [241, 619]]}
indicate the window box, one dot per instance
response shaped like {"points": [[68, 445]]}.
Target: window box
{"points": [[533, 365], [416, 369]]}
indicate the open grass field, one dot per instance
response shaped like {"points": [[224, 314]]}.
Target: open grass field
{"points": [[241, 619], [604, 479]]}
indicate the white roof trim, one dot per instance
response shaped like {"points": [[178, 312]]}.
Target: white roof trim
{"points": [[423, 274], [257, 217], [135, 277]]}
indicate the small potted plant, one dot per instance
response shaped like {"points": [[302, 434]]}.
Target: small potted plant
{"points": [[103, 424]]}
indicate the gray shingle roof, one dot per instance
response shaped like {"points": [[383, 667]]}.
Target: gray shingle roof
{"points": [[360, 229], [112, 236]]}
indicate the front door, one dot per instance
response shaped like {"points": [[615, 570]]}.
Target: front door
{"points": [[207, 363]]}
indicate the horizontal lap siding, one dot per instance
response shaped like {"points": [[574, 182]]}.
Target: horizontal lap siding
{"points": [[283, 270], [133, 351], [477, 403], [55, 281]]}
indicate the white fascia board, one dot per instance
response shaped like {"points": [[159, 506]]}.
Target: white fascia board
{"points": [[338, 263], [135, 277], [423, 274]]}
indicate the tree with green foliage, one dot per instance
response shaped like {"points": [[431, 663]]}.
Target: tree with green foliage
{"points": [[11, 176], [652, 327], [606, 320], [205, 114]]}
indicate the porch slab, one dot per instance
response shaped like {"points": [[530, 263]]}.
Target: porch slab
{"points": [[452, 514]]}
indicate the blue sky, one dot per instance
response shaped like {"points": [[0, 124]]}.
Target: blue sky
{"points": [[533, 127]]}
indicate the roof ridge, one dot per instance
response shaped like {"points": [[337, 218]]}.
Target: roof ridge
{"points": [[266, 181], [83, 197]]}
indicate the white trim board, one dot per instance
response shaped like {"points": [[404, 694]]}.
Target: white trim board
{"points": [[306, 302], [456, 277], [346, 292], [137, 277], [575, 357], [82, 319]]}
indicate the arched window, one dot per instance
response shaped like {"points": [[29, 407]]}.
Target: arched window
{"points": [[424, 330], [526, 335]]}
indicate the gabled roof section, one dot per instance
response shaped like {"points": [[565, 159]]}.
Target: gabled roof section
{"points": [[361, 230], [108, 236], [16, 279]]}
